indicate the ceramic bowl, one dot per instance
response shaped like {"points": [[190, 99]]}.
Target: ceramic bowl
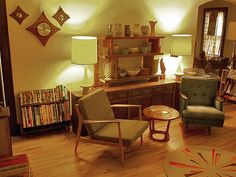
{"points": [[133, 71], [124, 51], [133, 50], [144, 50]]}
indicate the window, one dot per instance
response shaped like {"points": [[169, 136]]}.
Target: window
{"points": [[214, 32]]}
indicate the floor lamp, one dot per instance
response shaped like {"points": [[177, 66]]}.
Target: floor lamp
{"points": [[84, 52], [231, 35], [181, 45]]}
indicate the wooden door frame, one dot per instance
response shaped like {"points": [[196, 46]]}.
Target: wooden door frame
{"points": [[7, 69]]}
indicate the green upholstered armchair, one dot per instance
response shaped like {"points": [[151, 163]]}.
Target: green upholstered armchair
{"points": [[199, 104], [94, 110]]}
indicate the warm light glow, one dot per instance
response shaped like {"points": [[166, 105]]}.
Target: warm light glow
{"points": [[79, 12], [170, 14], [171, 64], [73, 76]]}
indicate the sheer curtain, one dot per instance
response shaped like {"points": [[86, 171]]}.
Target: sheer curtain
{"points": [[213, 33]]}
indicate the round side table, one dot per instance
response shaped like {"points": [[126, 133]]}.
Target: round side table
{"points": [[161, 113]]}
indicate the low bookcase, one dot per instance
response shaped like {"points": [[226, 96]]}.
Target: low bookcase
{"points": [[44, 109]]}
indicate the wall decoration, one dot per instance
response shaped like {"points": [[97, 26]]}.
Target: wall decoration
{"points": [[60, 16], [19, 15], [43, 29]]}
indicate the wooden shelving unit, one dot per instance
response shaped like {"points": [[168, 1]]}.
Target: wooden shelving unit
{"points": [[44, 109], [111, 57]]}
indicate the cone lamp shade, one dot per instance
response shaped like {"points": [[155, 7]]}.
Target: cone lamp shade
{"points": [[181, 46], [84, 52]]}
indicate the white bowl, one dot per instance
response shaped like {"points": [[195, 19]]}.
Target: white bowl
{"points": [[133, 71], [133, 50]]}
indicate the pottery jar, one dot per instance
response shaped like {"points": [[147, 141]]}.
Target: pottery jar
{"points": [[127, 30]]}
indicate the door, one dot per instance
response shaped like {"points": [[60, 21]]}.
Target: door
{"points": [[6, 91]]}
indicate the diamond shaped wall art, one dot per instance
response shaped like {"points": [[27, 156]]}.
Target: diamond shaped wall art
{"points": [[19, 15], [60, 16], [43, 29]]}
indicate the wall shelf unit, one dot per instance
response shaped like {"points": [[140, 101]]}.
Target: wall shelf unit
{"points": [[107, 55]]}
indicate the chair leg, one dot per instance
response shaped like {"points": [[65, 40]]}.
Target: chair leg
{"points": [[141, 138], [76, 144], [209, 130], [122, 153]]}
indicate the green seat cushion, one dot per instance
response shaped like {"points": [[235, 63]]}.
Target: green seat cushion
{"points": [[203, 115], [131, 130], [96, 106]]}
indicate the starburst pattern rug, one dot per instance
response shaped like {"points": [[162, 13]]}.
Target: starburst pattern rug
{"points": [[200, 161]]}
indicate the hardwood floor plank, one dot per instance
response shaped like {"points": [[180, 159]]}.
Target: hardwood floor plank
{"points": [[52, 154]]}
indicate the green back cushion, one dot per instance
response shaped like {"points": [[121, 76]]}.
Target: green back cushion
{"points": [[96, 106], [200, 91]]}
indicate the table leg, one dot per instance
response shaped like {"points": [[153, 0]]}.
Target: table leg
{"points": [[154, 131]]}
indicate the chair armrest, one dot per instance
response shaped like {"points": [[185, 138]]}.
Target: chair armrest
{"points": [[125, 106], [129, 106], [183, 103], [100, 121], [219, 104]]}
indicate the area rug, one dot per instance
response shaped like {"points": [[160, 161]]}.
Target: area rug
{"points": [[200, 161]]}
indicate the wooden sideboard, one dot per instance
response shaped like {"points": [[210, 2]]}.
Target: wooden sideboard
{"points": [[163, 92]]}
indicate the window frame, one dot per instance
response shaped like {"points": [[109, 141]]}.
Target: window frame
{"points": [[223, 9]]}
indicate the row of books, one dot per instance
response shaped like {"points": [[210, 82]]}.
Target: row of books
{"points": [[39, 115], [44, 95], [15, 166]]}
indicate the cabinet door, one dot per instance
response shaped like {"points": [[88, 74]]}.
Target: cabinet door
{"points": [[140, 97], [164, 95], [120, 97]]}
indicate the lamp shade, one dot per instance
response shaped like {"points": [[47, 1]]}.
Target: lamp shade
{"points": [[181, 44], [231, 34], [84, 50]]}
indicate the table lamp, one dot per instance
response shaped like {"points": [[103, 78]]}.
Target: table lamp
{"points": [[84, 52], [231, 35], [181, 45]]}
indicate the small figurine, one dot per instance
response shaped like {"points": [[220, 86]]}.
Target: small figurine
{"points": [[162, 66]]}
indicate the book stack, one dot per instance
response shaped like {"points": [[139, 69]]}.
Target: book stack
{"points": [[15, 166]]}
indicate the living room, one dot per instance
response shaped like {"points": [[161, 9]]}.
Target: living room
{"points": [[37, 64]]}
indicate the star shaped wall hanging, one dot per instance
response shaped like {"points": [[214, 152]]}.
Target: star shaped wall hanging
{"points": [[60, 16], [43, 29], [19, 15]]}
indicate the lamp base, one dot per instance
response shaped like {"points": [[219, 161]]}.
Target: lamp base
{"points": [[178, 76], [86, 89]]}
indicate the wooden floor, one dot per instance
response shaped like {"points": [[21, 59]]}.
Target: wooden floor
{"points": [[52, 155]]}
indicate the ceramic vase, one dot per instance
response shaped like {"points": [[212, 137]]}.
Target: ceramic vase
{"points": [[109, 30], [118, 29], [152, 26], [127, 30], [136, 30]]}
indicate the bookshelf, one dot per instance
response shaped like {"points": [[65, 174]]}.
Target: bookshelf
{"points": [[44, 109], [229, 91]]}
